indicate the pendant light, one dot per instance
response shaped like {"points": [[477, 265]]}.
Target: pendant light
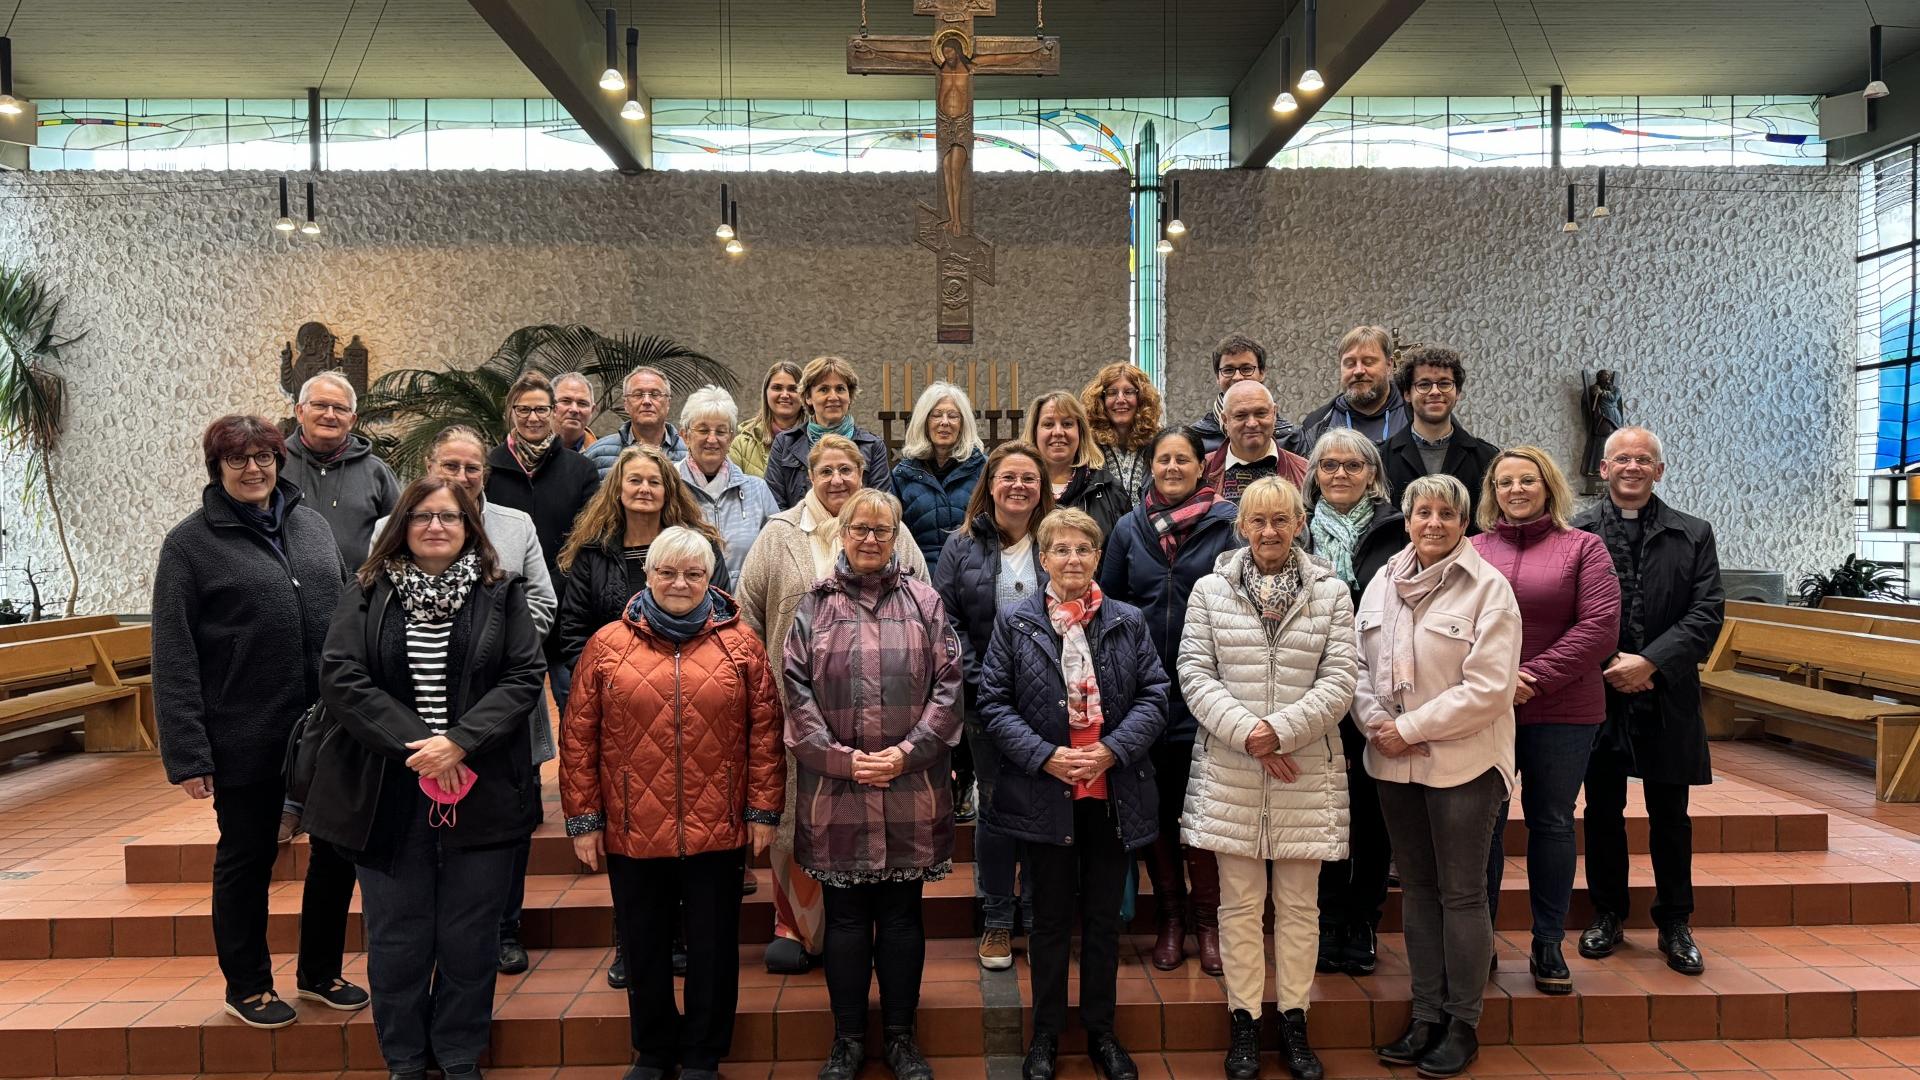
{"points": [[1876, 86], [9, 105], [285, 222], [734, 246], [1176, 227], [1285, 103], [610, 79], [1310, 80], [1164, 246], [1572, 225], [1600, 201], [725, 229], [310, 227], [633, 110]]}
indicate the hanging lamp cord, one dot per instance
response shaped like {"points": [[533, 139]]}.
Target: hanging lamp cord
{"points": [[863, 18], [1039, 17]]}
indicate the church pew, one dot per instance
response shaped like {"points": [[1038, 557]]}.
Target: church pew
{"points": [[46, 628], [1892, 609], [105, 709], [1906, 688], [1736, 701]]}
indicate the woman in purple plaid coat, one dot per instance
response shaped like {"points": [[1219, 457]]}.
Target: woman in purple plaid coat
{"points": [[872, 673]]}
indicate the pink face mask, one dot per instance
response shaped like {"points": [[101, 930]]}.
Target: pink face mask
{"points": [[443, 813]]}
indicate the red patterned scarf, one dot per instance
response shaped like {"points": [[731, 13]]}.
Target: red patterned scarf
{"points": [[1174, 522], [1084, 718]]}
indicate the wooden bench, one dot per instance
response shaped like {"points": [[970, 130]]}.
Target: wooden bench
{"points": [[1904, 687], [1797, 705], [108, 708], [46, 628], [1891, 609]]}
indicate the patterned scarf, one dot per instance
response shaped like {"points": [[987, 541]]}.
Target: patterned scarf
{"points": [[433, 598], [530, 455], [1084, 718], [1626, 566], [844, 429], [1273, 594], [1335, 534], [1174, 522], [1413, 587]]}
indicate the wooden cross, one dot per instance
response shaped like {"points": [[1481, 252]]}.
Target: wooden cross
{"points": [[953, 55]]}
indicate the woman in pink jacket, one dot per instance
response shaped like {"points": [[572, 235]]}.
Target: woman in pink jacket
{"points": [[1569, 624], [1439, 656]]}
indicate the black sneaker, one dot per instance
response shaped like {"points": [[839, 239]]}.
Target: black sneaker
{"points": [[1601, 938], [1243, 1046], [513, 957], [463, 1072], [844, 1060], [905, 1059], [1299, 1057], [262, 1010], [1361, 952], [339, 994], [1333, 950], [1042, 1058], [617, 971], [645, 1072]]}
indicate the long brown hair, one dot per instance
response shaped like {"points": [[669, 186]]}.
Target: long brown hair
{"points": [[1146, 419], [392, 541], [981, 501], [766, 414], [1068, 406], [603, 521]]}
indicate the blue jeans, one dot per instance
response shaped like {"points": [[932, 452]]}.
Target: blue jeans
{"points": [[433, 938], [1552, 762], [995, 854]]}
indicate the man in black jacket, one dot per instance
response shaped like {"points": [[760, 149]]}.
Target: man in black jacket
{"points": [[1431, 378], [1367, 402], [1671, 609]]}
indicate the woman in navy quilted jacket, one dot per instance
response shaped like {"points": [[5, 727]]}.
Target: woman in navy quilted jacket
{"points": [[1075, 697]]}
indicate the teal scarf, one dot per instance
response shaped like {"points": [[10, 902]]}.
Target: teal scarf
{"points": [[844, 428], [1335, 534]]}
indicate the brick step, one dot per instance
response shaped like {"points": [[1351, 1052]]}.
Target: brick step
{"points": [[153, 1016], [575, 910], [1724, 823]]}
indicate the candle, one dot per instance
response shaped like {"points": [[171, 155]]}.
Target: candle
{"points": [[993, 387], [906, 401], [973, 390], [886, 387], [1013, 372]]}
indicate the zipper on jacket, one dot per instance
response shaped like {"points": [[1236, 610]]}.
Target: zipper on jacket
{"points": [[679, 760]]}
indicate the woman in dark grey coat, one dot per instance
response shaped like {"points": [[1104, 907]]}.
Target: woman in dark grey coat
{"points": [[241, 599]]}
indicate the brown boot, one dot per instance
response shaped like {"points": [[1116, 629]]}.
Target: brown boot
{"points": [[1203, 898], [1170, 904]]}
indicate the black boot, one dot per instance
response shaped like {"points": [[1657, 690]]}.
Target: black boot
{"points": [[1040, 1057], [1300, 1058], [1243, 1047], [1601, 938], [1409, 1048], [1549, 968], [617, 971], [1453, 1053], [844, 1060], [904, 1057], [1683, 956]]}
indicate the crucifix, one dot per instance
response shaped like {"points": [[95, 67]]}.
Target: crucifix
{"points": [[953, 55]]}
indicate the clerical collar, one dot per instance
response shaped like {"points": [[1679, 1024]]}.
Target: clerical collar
{"points": [[1235, 460], [1630, 515]]}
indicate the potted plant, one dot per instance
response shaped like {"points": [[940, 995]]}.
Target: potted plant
{"points": [[32, 395], [1854, 577], [405, 409]]}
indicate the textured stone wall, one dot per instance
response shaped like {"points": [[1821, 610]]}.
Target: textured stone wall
{"points": [[1729, 317], [186, 300]]}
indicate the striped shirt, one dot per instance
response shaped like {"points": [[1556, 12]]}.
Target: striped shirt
{"points": [[427, 661]]}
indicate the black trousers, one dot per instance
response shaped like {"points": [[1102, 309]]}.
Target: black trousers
{"points": [[1087, 878], [517, 892], [1669, 840], [248, 816], [1354, 889], [873, 929], [648, 898]]}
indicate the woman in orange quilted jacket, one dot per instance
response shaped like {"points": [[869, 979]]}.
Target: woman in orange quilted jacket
{"points": [[671, 764]]}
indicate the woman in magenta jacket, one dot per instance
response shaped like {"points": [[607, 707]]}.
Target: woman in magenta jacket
{"points": [[1569, 624]]}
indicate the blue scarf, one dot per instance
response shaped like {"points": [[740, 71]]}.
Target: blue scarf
{"points": [[843, 428], [268, 522], [678, 629]]}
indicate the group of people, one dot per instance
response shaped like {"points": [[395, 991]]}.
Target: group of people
{"points": [[1277, 663]]}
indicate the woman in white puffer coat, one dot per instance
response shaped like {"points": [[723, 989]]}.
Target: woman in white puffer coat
{"points": [[1267, 664]]}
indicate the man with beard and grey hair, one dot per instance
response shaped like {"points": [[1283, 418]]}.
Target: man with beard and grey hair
{"points": [[1368, 402]]}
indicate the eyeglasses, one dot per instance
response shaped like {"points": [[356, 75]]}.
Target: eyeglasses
{"points": [[261, 458], [705, 432], [452, 468], [1120, 393], [1642, 460], [525, 411], [1062, 552], [834, 472], [647, 395], [420, 519], [870, 532], [1508, 483], [1239, 371], [1430, 386], [1260, 523], [667, 575], [328, 407], [1333, 467], [1023, 479]]}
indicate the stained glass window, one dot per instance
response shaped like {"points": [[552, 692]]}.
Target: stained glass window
{"points": [[1887, 379]]}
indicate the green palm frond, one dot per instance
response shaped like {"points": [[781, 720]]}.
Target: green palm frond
{"points": [[33, 397]]}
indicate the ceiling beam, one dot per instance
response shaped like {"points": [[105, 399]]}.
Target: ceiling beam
{"points": [[565, 49], [1350, 32]]}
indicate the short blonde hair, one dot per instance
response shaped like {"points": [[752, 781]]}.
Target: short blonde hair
{"points": [[1366, 335], [918, 447], [1441, 486], [831, 443], [1267, 495], [1064, 519], [1067, 405], [820, 367], [1559, 495], [680, 542], [869, 499]]}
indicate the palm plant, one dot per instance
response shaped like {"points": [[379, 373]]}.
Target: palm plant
{"points": [[406, 408], [33, 397], [1854, 577]]}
